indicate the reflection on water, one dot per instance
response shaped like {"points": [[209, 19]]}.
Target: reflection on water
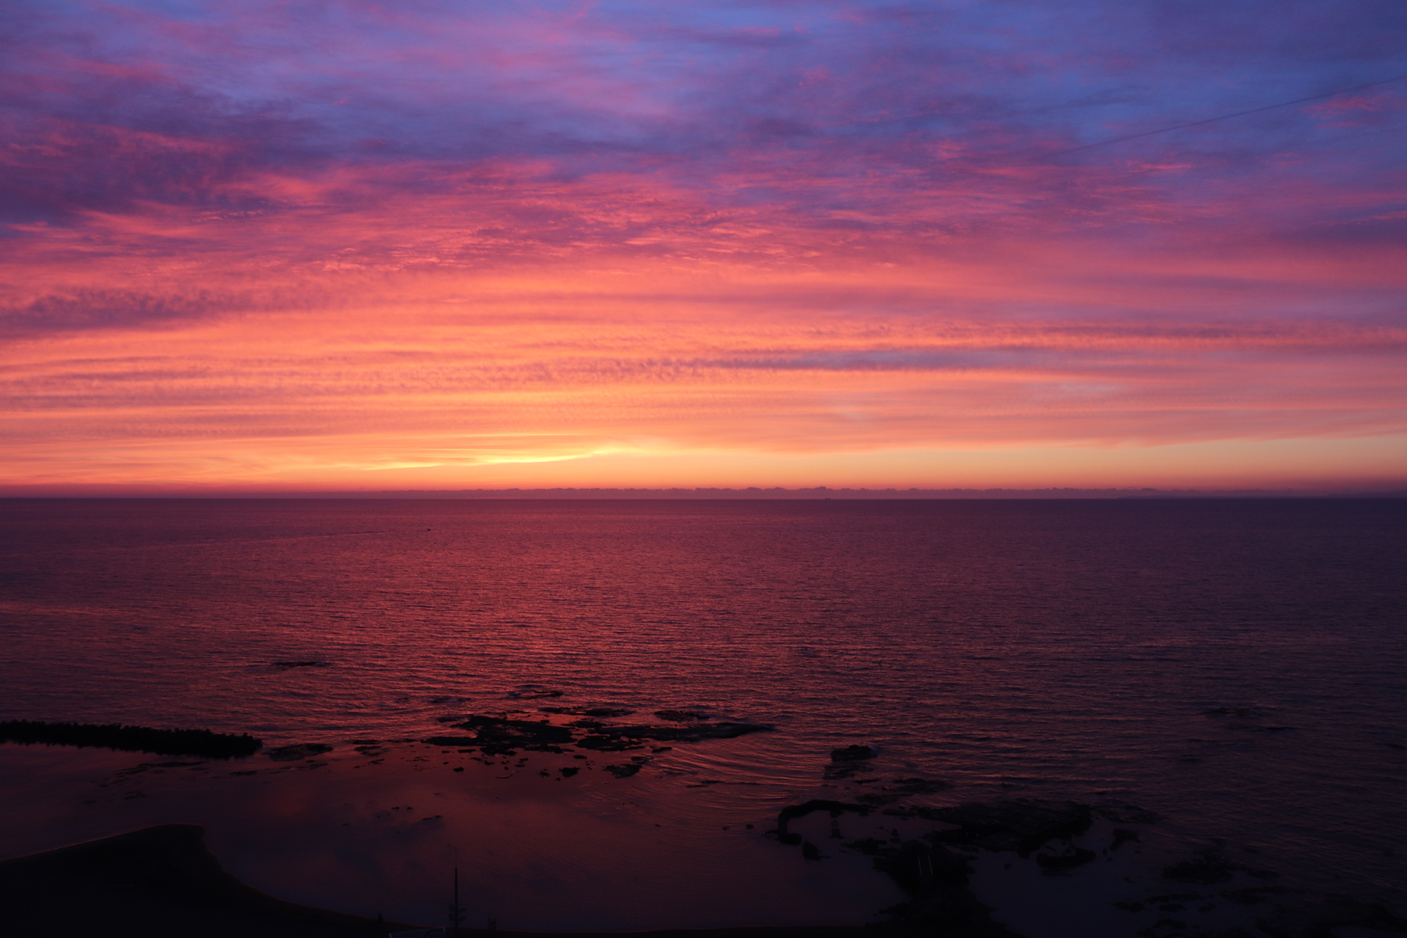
{"points": [[1233, 665]]}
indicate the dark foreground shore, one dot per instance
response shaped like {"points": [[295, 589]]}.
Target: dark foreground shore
{"points": [[162, 881]]}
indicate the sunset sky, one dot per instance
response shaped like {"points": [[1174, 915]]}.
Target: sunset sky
{"points": [[264, 246]]}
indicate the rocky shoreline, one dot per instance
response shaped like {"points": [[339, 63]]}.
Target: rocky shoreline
{"points": [[965, 869], [130, 738]]}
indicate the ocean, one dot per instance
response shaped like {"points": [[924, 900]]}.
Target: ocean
{"points": [[1237, 666]]}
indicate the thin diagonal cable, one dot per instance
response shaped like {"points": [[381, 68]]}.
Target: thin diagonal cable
{"points": [[1223, 117]]}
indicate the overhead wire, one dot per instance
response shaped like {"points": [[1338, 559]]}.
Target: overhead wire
{"points": [[1222, 117]]}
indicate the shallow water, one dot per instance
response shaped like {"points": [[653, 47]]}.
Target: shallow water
{"points": [[1046, 649]]}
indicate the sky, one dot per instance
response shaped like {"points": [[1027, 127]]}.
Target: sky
{"points": [[265, 246]]}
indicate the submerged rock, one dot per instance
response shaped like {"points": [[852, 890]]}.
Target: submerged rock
{"points": [[901, 788], [691, 733], [1023, 825], [853, 753], [452, 741], [588, 711], [532, 692], [792, 812], [296, 752], [608, 743], [679, 716], [500, 735]]}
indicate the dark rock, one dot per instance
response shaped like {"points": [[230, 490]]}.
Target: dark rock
{"points": [[607, 744], [810, 851], [691, 733], [853, 753], [498, 735], [679, 716], [532, 692], [940, 901], [130, 738], [451, 741], [835, 808], [502, 727], [623, 771], [300, 751], [835, 771], [588, 711], [286, 665], [918, 868], [1023, 825], [569, 770]]}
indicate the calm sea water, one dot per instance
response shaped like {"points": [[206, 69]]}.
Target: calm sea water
{"points": [[1013, 648]]}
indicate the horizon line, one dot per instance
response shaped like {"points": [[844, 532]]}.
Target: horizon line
{"points": [[721, 493]]}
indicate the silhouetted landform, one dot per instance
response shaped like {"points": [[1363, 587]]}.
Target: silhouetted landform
{"points": [[131, 738], [496, 735], [161, 882]]}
